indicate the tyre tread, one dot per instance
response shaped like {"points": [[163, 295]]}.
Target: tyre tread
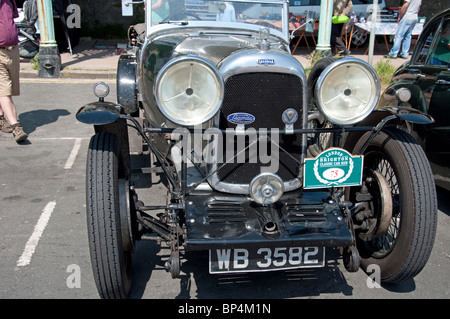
{"points": [[103, 217]]}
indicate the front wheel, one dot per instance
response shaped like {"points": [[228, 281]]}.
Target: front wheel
{"points": [[108, 217], [399, 238]]}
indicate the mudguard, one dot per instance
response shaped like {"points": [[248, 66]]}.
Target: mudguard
{"points": [[126, 84]]}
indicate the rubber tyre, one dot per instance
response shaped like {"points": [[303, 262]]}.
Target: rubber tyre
{"points": [[313, 76], [318, 142], [414, 217], [111, 264]]}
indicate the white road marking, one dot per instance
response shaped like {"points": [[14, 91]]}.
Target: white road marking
{"points": [[73, 154], [33, 241]]}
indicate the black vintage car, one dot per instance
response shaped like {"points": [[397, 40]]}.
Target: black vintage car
{"points": [[423, 83], [264, 168]]}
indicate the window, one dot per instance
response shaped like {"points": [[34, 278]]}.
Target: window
{"points": [[440, 54], [424, 46], [434, 45]]}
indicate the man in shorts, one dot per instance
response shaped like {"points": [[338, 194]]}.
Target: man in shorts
{"points": [[9, 70]]}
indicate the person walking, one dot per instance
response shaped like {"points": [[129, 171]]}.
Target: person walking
{"points": [[9, 70], [408, 16], [160, 10], [340, 8], [226, 12]]}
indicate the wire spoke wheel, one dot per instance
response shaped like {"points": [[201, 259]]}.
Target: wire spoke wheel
{"points": [[404, 245], [382, 246]]}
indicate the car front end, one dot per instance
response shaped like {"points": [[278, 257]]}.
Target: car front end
{"points": [[255, 172]]}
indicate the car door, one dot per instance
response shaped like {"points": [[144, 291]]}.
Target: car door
{"points": [[432, 61]]}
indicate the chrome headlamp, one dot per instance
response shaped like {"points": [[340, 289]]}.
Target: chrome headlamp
{"points": [[189, 90], [347, 91]]}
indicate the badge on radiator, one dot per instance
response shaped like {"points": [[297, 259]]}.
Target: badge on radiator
{"points": [[241, 119], [290, 117], [266, 62]]}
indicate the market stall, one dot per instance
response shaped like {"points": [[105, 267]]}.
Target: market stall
{"points": [[385, 29]]}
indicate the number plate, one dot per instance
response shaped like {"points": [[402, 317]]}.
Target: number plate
{"points": [[265, 259]]}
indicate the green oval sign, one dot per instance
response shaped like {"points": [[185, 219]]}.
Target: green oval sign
{"points": [[334, 167]]}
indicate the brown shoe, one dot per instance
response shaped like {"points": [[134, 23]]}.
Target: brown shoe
{"points": [[4, 125], [18, 133]]}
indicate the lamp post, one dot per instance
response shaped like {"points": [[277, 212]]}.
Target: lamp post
{"points": [[49, 58], [372, 31], [326, 13]]}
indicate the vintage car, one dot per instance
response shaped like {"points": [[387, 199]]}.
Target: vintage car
{"points": [[265, 168], [423, 83]]}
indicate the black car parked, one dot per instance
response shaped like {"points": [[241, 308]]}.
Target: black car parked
{"points": [[423, 83]]}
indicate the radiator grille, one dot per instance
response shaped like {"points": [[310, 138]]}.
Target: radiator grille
{"points": [[265, 96]]}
